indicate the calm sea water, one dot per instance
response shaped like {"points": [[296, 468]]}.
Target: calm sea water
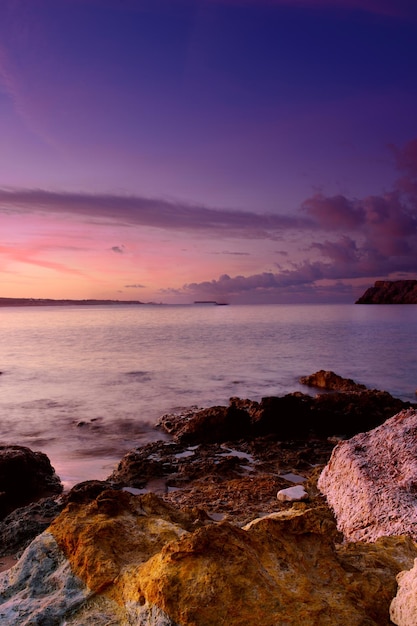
{"points": [[86, 384]]}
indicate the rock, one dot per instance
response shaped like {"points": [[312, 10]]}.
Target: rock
{"points": [[292, 494], [325, 379], [212, 425], [403, 610], [370, 481], [22, 525], [237, 481], [125, 559], [390, 292], [293, 416], [25, 476], [40, 588]]}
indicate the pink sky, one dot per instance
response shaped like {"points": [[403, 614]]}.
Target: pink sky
{"points": [[173, 151]]}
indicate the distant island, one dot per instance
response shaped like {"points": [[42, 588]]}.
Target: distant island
{"points": [[51, 302], [390, 292]]}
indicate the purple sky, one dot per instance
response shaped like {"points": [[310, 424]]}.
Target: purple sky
{"points": [[174, 150]]}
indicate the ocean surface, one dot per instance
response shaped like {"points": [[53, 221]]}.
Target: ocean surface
{"points": [[86, 384]]}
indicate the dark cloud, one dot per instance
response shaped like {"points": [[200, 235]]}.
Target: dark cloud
{"points": [[297, 285], [136, 286], [381, 242], [334, 213], [118, 249]]}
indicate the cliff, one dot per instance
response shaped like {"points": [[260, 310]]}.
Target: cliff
{"points": [[390, 292]]}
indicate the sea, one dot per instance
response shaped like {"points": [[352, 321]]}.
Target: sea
{"points": [[86, 384]]}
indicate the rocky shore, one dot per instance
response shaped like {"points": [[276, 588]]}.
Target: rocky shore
{"points": [[293, 510], [390, 292]]}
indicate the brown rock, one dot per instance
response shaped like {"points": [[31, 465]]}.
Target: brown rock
{"points": [[284, 568], [390, 292], [237, 481], [325, 379], [25, 476]]}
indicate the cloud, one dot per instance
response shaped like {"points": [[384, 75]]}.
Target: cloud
{"points": [[118, 249], [150, 212], [136, 286], [334, 213], [374, 237]]}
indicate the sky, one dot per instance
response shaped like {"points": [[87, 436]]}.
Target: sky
{"points": [[245, 151]]}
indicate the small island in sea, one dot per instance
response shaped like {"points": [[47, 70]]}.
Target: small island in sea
{"points": [[390, 292]]}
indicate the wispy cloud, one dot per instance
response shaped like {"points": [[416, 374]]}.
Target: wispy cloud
{"points": [[151, 212], [136, 286]]}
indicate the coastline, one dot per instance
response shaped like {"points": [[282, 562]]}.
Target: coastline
{"points": [[18, 302], [182, 526]]}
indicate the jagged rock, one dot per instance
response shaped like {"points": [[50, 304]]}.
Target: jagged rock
{"points": [[238, 481], [293, 416], [25, 476], [370, 481], [125, 559], [212, 425], [390, 292], [325, 379]]}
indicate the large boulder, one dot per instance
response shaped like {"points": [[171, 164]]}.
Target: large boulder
{"points": [[25, 476], [370, 481], [125, 559]]}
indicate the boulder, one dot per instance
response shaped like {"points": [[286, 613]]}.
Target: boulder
{"points": [[325, 379], [124, 559], [25, 476], [403, 610], [370, 481], [212, 425], [293, 416]]}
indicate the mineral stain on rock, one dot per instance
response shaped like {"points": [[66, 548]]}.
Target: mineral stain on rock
{"points": [[218, 546]]}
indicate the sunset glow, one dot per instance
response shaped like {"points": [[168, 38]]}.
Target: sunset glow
{"points": [[180, 150]]}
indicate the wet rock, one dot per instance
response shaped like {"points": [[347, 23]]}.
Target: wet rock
{"points": [[22, 525], [212, 425], [326, 379], [293, 416], [25, 476], [238, 480], [133, 559], [370, 481], [86, 491]]}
